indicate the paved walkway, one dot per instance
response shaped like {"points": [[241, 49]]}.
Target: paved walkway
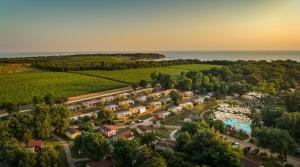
{"points": [[70, 159]]}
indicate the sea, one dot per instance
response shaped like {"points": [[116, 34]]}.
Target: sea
{"points": [[200, 55]]}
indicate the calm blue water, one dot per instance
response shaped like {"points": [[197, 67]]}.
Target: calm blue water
{"points": [[238, 126], [201, 55]]}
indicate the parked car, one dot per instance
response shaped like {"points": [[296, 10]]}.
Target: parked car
{"points": [[254, 151], [235, 144]]}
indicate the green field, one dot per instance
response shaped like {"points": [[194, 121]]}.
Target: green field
{"points": [[135, 75], [23, 86]]}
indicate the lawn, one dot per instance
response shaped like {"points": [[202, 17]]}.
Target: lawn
{"points": [[21, 87], [163, 132], [176, 119], [135, 75]]}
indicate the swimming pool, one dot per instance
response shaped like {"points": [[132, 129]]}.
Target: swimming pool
{"points": [[238, 125]]}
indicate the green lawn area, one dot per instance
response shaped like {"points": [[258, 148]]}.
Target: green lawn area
{"points": [[176, 119], [22, 87], [135, 75], [163, 132]]}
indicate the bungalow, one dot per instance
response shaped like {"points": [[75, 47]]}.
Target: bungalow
{"points": [[108, 130], [154, 104], [175, 109], [123, 114], [72, 133], [167, 92], [162, 114], [107, 162], [141, 129], [137, 109], [187, 94], [34, 145], [107, 99], [166, 100], [165, 144], [145, 90], [156, 95], [89, 104], [123, 95], [198, 100], [74, 107], [126, 135], [126, 102], [141, 98], [187, 104], [90, 114], [111, 107]]}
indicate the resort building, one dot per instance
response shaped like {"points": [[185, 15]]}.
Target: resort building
{"points": [[111, 107], [137, 109], [187, 105], [175, 109], [187, 94], [123, 114], [126, 102], [34, 145], [108, 130], [141, 129], [162, 114], [165, 144], [126, 135], [72, 133], [154, 104], [141, 98]]}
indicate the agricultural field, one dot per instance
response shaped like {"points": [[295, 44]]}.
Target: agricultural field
{"points": [[21, 87], [11, 68], [135, 75]]}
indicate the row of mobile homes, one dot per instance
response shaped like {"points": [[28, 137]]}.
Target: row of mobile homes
{"points": [[162, 114], [141, 99], [156, 95], [166, 100], [111, 107], [123, 95], [123, 114], [75, 107], [126, 103], [187, 105], [107, 99], [187, 94], [145, 90]]}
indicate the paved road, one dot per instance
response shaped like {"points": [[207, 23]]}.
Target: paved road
{"points": [[70, 159]]}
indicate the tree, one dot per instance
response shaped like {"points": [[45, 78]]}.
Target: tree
{"points": [[92, 144], [175, 96], [277, 140], [42, 121], [292, 102], [87, 126], [60, 117], [37, 100], [270, 113], [185, 84], [105, 116], [218, 125], [156, 161], [124, 152], [47, 157], [148, 138], [134, 86], [20, 126], [12, 107], [143, 83], [182, 141], [49, 99], [21, 157], [291, 123], [192, 127]]}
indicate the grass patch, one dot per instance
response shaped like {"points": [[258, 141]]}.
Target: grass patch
{"points": [[146, 116], [62, 158], [12, 68], [176, 119], [27, 85], [163, 132]]}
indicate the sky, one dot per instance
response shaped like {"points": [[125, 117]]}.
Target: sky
{"points": [[148, 25]]}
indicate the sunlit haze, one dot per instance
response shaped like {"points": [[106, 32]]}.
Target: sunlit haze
{"points": [[149, 25]]}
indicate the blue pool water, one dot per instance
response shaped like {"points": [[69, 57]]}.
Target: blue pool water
{"points": [[238, 126]]}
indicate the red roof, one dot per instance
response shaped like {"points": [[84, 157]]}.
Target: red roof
{"points": [[109, 127], [145, 128], [103, 163], [125, 135], [34, 143], [166, 143]]}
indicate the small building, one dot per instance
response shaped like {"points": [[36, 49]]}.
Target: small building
{"points": [[165, 144], [111, 107], [74, 107], [187, 104], [126, 135], [187, 94], [126, 102], [90, 103], [167, 92], [156, 95], [157, 88], [123, 95], [107, 99], [35, 145], [144, 90], [141, 129], [123, 114], [141, 98], [162, 114], [72, 133], [108, 130], [107, 162], [198, 100], [137, 109], [166, 100], [154, 104], [175, 109]]}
